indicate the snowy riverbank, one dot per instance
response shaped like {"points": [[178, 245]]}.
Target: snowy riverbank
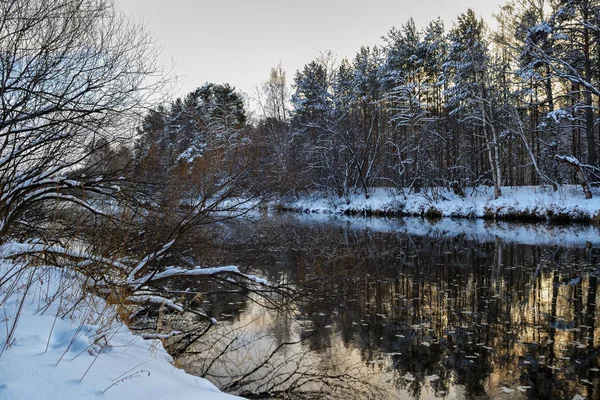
{"points": [[568, 204], [66, 344]]}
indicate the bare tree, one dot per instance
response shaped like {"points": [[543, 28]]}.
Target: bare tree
{"points": [[72, 73], [274, 97], [73, 79]]}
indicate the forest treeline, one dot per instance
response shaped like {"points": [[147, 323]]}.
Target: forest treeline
{"points": [[430, 107]]}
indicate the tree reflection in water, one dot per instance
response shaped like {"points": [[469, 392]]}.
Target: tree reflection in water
{"points": [[392, 315]]}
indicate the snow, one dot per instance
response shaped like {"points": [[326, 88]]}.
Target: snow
{"points": [[12, 249], [157, 300], [559, 115], [409, 377], [63, 348], [482, 231], [148, 258], [570, 160], [535, 201], [200, 271]]}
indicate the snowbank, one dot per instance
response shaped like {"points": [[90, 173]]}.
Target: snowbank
{"points": [[529, 202], [67, 344]]}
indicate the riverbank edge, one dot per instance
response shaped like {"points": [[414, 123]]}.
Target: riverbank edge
{"points": [[524, 204], [86, 352], [434, 214]]}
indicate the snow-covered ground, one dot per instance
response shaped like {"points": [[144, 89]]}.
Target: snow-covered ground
{"points": [[540, 202], [57, 342]]}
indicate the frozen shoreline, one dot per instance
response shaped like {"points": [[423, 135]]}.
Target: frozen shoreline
{"points": [[539, 203], [68, 344]]}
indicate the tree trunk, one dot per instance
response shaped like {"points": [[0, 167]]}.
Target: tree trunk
{"points": [[578, 173], [589, 110]]}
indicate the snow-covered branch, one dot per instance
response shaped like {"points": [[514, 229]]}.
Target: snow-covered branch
{"points": [[172, 272]]}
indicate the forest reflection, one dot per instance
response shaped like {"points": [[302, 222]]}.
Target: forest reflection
{"points": [[392, 315]]}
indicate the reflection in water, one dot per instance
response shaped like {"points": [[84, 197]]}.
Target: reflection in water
{"points": [[392, 315]]}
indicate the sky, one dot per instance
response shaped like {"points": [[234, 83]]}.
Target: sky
{"points": [[239, 41]]}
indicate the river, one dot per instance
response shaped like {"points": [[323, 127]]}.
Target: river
{"points": [[405, 309]]}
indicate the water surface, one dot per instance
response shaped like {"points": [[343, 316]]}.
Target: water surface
{"points": [[406, 309]]}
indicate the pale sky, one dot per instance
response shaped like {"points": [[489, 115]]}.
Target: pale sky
{"points": [[238, 41]]}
